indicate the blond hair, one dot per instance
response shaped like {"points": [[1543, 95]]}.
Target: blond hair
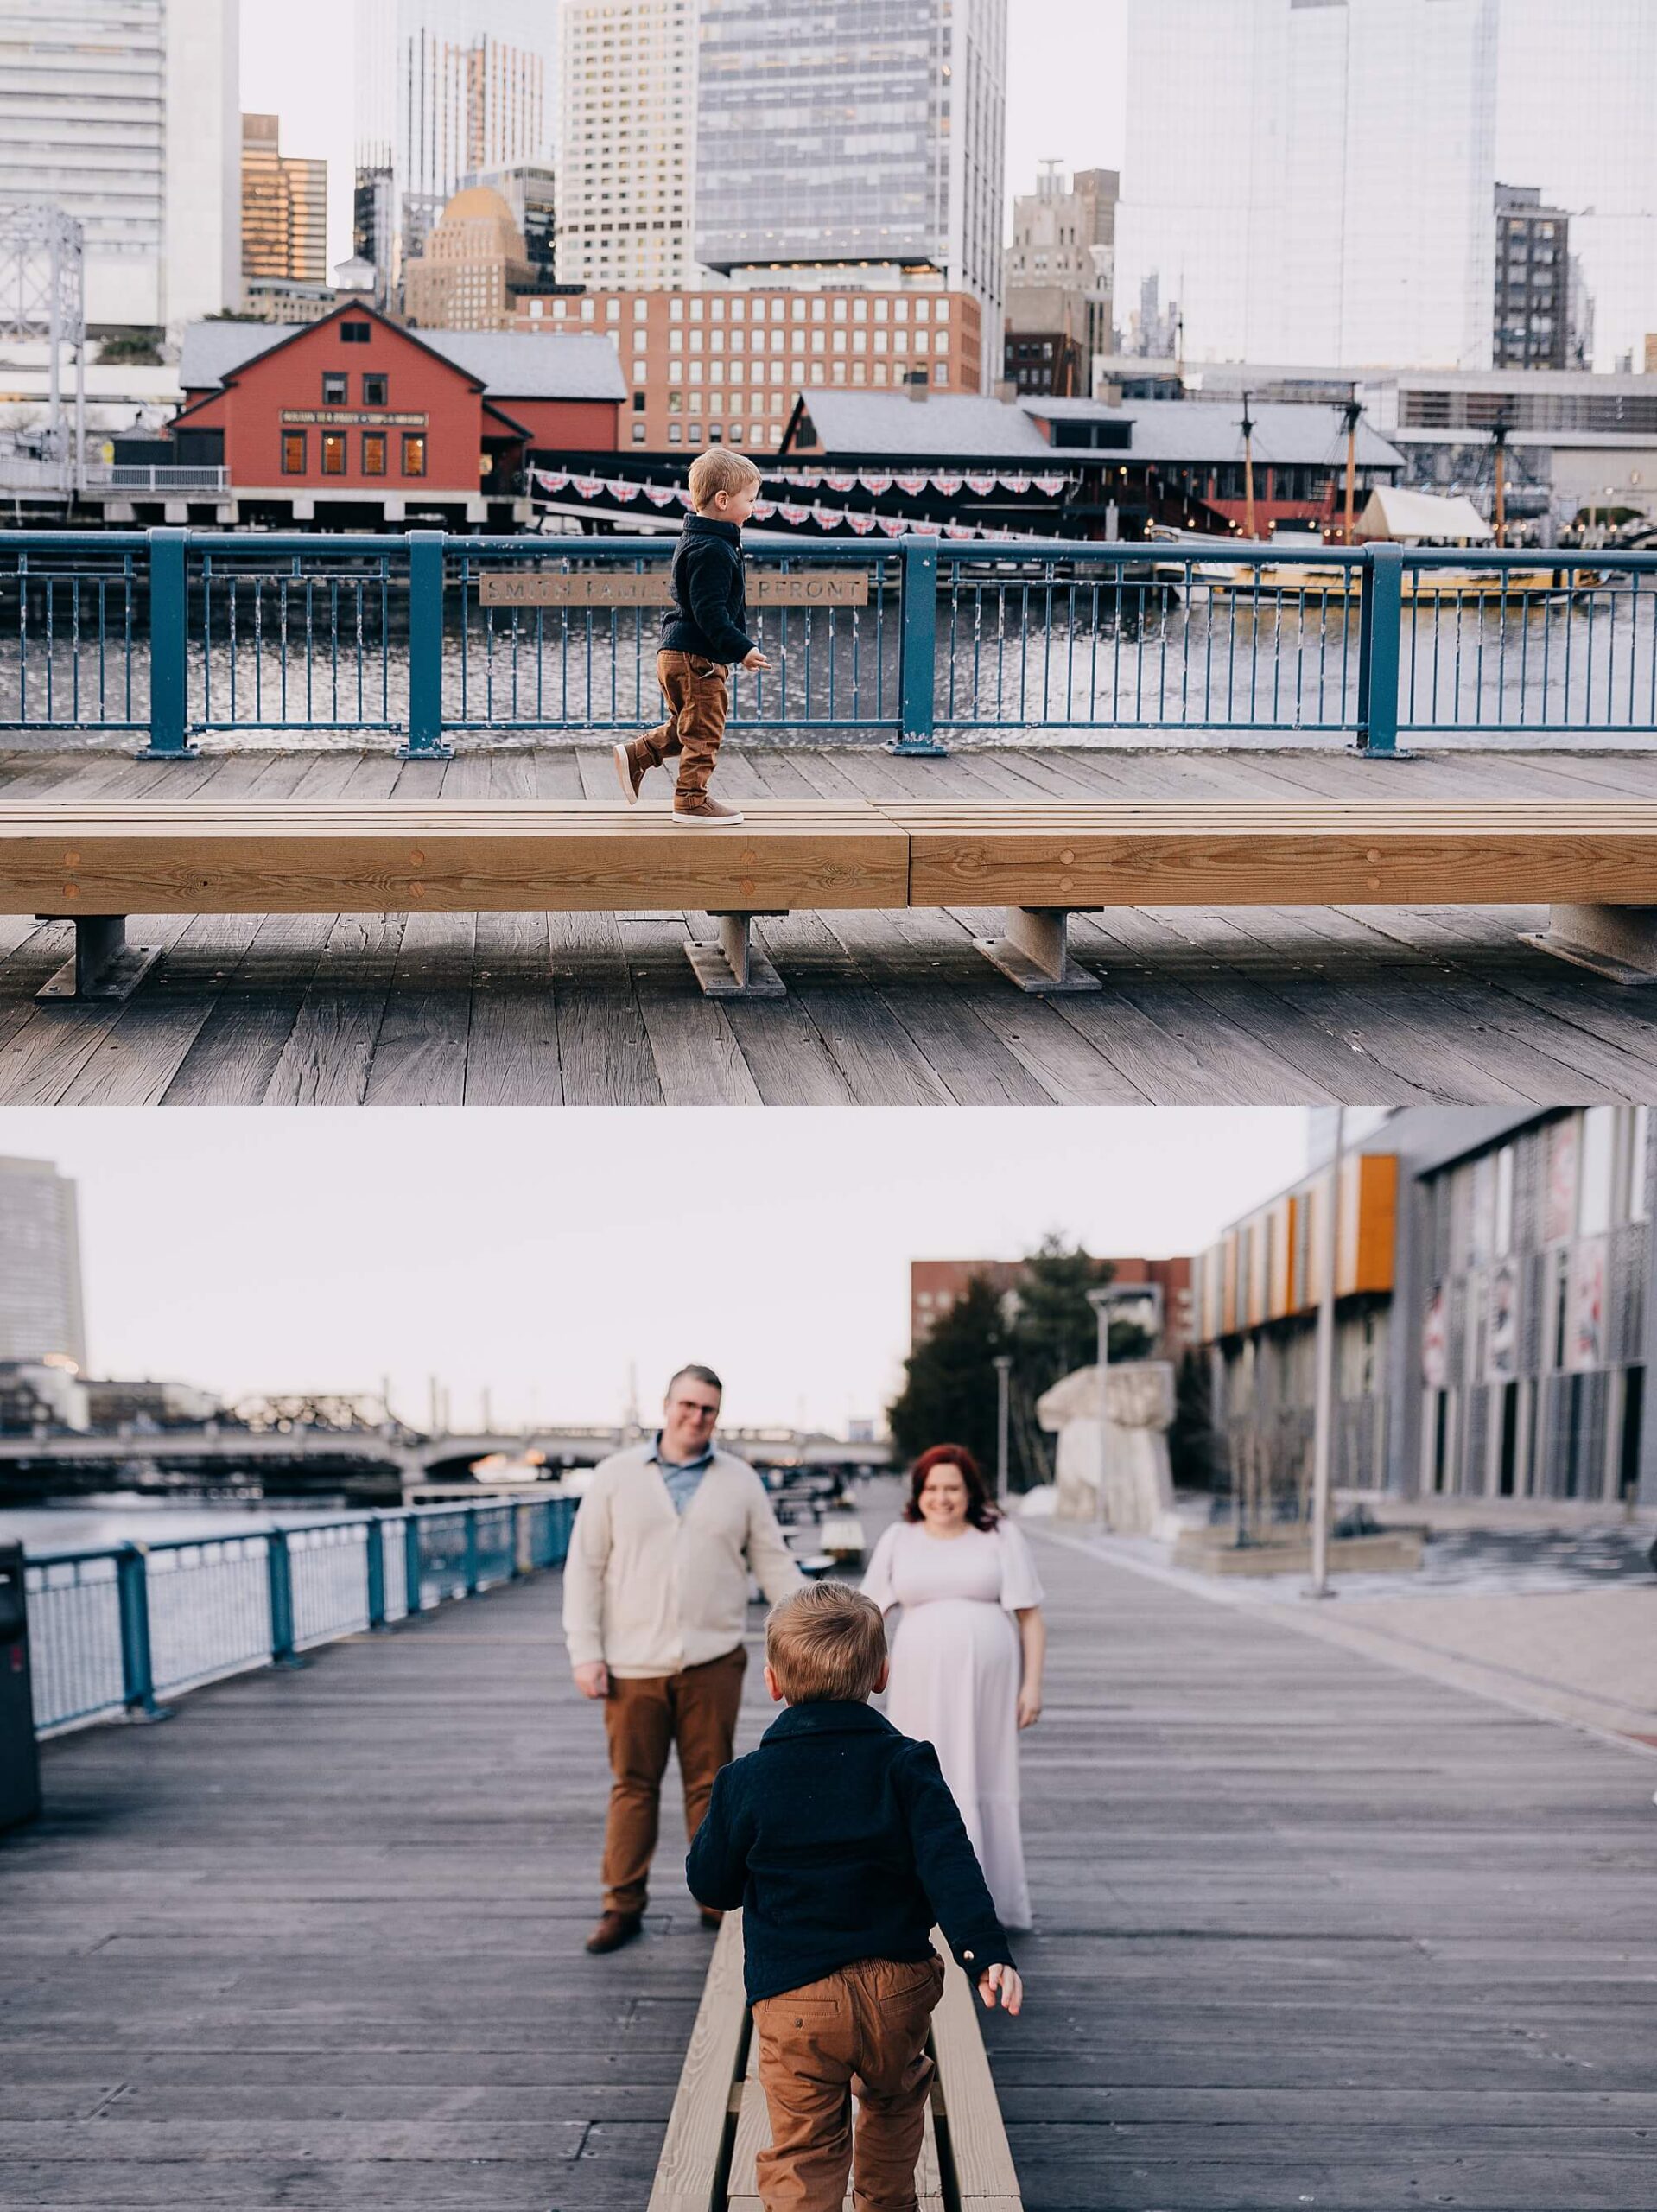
{"points": [[717, 470], [826, 1641]]}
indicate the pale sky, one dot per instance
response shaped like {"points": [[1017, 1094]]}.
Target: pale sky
{"points": [[1064, 89], [540, 1253]]}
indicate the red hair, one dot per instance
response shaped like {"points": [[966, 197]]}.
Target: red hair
{"points": [[982, 1512]]}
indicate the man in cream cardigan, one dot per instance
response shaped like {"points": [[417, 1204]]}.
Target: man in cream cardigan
{"points": [[656, 1599]]}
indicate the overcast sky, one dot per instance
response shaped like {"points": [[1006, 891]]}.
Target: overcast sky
{"points": [[542, 1254], [1064, 89]]}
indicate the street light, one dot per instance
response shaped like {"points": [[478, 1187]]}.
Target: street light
{"points": [[1101, 1300], [1003, 1365], [1322, 1433]]}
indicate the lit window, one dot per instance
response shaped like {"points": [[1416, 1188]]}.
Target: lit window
{"points": [[293, 452], [373, 453], [414, 453]]}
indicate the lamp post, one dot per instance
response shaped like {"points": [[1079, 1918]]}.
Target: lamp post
{"points": [[1323, 1403], [1003, 1365]]}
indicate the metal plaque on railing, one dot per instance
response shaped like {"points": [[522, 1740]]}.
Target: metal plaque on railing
{"points": [[807, 587]]}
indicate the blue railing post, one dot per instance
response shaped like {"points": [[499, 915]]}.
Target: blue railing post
{"points": [[471, 1567], [280, 1567], [374, 1566], [413, 1594], [917, 698], [426, 647], [137, 1668], [1380, 636], [170, 648]]}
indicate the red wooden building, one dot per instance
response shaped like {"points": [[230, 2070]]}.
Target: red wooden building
{"points": [[355, 421]]}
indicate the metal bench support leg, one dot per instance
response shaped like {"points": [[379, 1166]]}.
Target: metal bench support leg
{"points": [[734, 968], [104, 966], [1035, 954], [1617, 942]]}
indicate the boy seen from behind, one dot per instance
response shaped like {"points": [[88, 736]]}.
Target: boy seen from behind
{"points": [[703, 632], [839, 1839]]}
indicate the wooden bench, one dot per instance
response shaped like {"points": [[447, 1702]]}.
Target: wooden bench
{"points": [[1593, 862], [719, 2126]]}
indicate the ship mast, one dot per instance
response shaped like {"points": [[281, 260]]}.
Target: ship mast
{"points": [[1354, 414], [1499, 430], [1249, 531]]}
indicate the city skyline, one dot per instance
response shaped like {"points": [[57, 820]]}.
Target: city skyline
{"points": [[1052, 110], [550, 1282]]}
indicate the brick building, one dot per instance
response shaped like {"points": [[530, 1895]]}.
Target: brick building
{"points": [[712, 367], [365, 422], [935, 1285]]}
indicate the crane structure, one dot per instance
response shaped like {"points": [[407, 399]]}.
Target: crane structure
{"points": [[43, 301]]}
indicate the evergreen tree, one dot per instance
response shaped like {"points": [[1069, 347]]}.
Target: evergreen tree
{"points": [[948, 1393]]}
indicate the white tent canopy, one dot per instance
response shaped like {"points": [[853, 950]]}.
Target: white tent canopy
{"points": [[1415, 515]]}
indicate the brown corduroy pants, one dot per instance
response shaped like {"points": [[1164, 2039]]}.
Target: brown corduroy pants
{"points": [[861, 2032], [698, 702], [645, 1718]]}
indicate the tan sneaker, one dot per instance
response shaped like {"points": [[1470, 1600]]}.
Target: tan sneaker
{"points": [[701, 812], [630, 772]]}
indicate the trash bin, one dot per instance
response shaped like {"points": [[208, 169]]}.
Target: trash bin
{"points": [[20, 1758]]}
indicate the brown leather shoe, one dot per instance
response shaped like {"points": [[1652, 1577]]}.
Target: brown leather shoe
{"points": [[630, 771], [710, 1919], [700, 813], [615, 1928]]}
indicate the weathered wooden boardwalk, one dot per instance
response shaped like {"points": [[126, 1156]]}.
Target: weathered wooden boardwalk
{"points": [[1313, 1930], [1249, 1005]]}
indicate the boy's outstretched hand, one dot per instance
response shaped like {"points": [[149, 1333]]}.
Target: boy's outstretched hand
{"points": [[1005, 1981], [755, 660]]}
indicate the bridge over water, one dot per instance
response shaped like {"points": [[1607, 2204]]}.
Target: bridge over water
{"points": [[1312, 1930]]}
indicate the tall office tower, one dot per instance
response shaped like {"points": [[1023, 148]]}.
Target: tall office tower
{"points": [[626, 135], [1058, 267], [125, 113], [284, 207], [1533, 279], [1313, 181], [1577, 96], [834, 143], [40, 1264], [530, 191], [445, 89]]}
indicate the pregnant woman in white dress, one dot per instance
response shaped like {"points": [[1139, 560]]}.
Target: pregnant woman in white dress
{"points": [[966, 1659]]}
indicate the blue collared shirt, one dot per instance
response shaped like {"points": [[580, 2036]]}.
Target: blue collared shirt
{"points": [[683, 1476]]}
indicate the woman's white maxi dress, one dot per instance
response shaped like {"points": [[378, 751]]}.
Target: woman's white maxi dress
{"points": [[956, 1664]]}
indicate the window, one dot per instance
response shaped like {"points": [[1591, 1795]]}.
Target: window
{"points": [[613, 310], [715, 434], [293, 452], [641, 309], [374, 391], [336, 388], [373, 453], [414, 452], [639, 434], [639, 403], [355, 334], [675, 433]]}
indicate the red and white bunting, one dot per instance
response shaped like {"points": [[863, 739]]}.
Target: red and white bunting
{"points": [[1013, 483], [861, 523], [875, 485], [764, 510], [946, 486], [587, 487], [621, 488], [792, 514], [660, 495], [911, 487], [840, 483], [553, 480], [1051, 486], [980, 486]]}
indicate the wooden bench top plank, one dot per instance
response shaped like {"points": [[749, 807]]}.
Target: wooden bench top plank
{"points": [[296, 859], [695, 2131]]}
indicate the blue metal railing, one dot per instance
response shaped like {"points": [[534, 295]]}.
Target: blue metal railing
{"points": [[182, 633], [117, 1629]]}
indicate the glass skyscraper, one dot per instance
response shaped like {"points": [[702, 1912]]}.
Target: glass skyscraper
{"points": [[40, 1264], [868, 133], [1313, 180]]}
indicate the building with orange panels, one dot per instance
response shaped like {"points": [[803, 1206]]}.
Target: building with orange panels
{"points": [[725, 366], [361, 421], [1493, 1323], [935, 1285]]}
